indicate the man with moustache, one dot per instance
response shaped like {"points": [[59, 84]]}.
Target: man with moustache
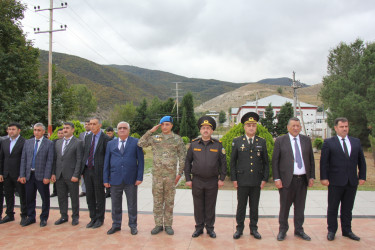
{"points": [[249, 173], [66, 173], [10, 161], [169, 150], [205, 171], [35, 173], [293, 169], [342, 168], [123, 172]]}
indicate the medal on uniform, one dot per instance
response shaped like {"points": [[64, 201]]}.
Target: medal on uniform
{"points": [[157, 137], [258, 153], [242, 147]]}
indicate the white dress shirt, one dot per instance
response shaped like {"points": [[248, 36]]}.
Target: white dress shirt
{"points": [[297, 171]]}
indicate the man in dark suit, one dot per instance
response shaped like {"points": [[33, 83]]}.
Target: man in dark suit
{"points": [[123, 171], [1, 190], [249, 172], [35, 171], [93, 163], [60, 135], [293, 171], [82, 138], [341, 155], [66, 173], [10, 161]]}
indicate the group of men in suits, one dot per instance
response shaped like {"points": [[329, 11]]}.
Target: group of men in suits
{"points": [[28, 166]]}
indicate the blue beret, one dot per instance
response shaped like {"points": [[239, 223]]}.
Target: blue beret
{"points": [[166, 119]]}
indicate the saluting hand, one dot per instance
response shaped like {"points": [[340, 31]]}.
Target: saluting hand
{"points": [[155, 128]]}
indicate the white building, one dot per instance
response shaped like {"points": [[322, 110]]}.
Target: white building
{"points": [[314, 122]]}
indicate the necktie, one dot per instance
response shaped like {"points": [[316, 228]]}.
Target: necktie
{"points": [[90, 159], [297, 154], [66, 144], [34, 155], [251, 141], [122, 149], [345, 148]]}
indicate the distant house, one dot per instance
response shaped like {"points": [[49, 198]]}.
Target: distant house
{"points": [[314, 122]]}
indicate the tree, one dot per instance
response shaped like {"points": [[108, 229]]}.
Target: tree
{"points": [[286, 112], [349, 88], [188, 126], [222, 117], [141, 122], [86, 102], [268, 120], [19, 69], [125, 112]]}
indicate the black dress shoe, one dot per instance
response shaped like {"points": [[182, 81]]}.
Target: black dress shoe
{"points": [[97, 224], [302, 235], [43, 223], [53, 195], [255, 234], [113, 230], [330, 236], [212, 234], [82, 194], [90, 224], [61, 221], [75, 222], [197, 233], [6, 219], [28, 222], [107, 195], [133, 230], [351, 235], [281, 236], [237, 235], [23, 220]]}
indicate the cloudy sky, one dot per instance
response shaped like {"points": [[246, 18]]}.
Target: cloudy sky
{"points": [[237, 40]]}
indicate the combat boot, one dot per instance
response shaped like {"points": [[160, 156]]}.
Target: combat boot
{"points": [[169, 230], [156, 230]]}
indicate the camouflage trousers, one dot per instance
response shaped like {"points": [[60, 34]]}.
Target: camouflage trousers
{"points": [[163, 190]]}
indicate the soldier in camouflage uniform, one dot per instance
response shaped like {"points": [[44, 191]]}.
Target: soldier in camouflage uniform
{"points": [[168, 150]]}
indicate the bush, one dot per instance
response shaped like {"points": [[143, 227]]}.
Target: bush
{"points": [[78, 128], [186, 139], [27, 133], [135, 135], [318, 143], [238, 130]]}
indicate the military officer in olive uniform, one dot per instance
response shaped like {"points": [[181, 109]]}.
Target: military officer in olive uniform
{"points": [[249, 172], [169, 151], [205, 171]]}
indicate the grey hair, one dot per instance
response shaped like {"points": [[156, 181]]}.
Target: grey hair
{"points": [[98, 119], [40, 125], [293, 119], [124, 123]]}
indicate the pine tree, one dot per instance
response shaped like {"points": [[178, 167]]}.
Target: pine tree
{"points": [[286, 112], [188, 126], [268, 121]]}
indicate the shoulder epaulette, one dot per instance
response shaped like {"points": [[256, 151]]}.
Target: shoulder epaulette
{"points": [[194, 139]]}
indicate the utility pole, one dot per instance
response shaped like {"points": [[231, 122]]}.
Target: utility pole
{"points": [[295, 86], [50, 31], [177, 96]]}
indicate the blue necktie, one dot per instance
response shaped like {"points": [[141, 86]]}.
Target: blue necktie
{"points": [[297, 154], [122, 149], [35, 151]]}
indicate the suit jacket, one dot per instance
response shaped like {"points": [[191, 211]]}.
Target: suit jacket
{"points": [[336, 167], [249, 163], [98, 155], [127, 167], [68, 165], [43, 159], [82, 136], [283, 159], [10, 162]]}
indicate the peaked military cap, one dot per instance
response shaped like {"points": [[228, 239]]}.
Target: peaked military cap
{"points": [[207, 121], [250, 117]]}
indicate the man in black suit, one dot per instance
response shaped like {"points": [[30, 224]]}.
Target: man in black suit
{"points": [[293, 169], [10, 160], [340, 157], [66, 172], [93, 164], [249, 173]]}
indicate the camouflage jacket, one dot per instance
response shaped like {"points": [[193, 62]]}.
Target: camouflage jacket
{"points": [[168, 150]]}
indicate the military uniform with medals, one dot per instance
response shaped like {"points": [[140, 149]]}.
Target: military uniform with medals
{"points": [[249, 167]]}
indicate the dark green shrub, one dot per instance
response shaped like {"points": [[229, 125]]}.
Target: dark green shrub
{"points": [[318, 143]]}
